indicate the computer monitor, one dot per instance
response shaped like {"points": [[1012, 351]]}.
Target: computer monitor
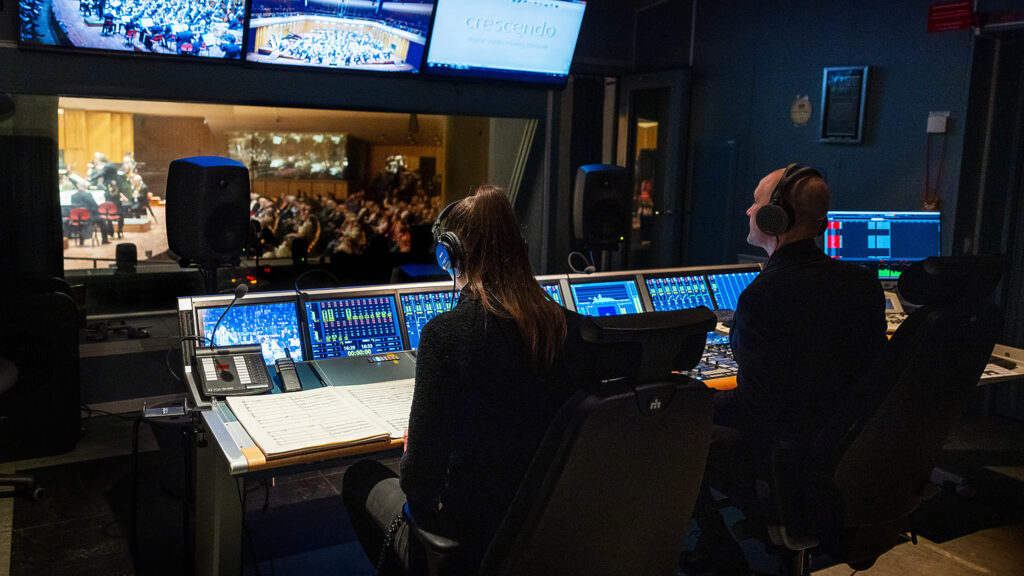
{"points": [[521, 40], [553, 286], [726, 288], [386, 37], [274, 325], [353, 326], [609, 297], [174, 28], [419, 307], [886, 241], [677, 292]]}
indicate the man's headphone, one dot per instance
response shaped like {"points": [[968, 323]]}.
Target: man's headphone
{"points": [[777, 216], [449, 252]]}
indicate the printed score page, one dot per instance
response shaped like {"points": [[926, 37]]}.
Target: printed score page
{"points": [[303, 421], [389, 402]]}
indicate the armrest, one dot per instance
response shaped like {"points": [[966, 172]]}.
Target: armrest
{"points": [[440, 551], [787, 471]]}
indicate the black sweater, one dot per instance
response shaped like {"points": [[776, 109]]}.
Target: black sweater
{"points": [[478, 415]]}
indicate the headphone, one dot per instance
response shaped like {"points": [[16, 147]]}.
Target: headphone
{"points": [[448, 251], [777, 216]]}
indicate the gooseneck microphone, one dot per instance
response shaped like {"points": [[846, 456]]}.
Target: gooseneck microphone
{"points": [[240, 290]]}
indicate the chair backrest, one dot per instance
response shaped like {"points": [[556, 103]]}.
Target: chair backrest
{"points": [[613, 484], [108, 209], [911, 398], [79, 215], [611, 488]]}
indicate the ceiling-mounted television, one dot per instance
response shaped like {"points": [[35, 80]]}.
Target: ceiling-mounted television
{"points": [[179, 28], [364, 35], [521, 40]]}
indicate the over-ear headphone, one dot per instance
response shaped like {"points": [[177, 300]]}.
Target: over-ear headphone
{"points": [[777, 216], [448, 251]]}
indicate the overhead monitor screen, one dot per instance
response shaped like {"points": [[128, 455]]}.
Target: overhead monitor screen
{"points": [[678, 293], [368, 35], [527, 40], [274, 326], [353, 327], [554, 291], [607, 298], [185, 28], [419, 308], [727, 287], [886, 241]]}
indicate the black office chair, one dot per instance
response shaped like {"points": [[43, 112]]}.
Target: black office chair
{"points": [[614, 481], [851, 493]]}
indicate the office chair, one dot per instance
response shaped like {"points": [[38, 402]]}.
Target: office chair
{"points": [[851, 493], [613, 483], [27, 484]]}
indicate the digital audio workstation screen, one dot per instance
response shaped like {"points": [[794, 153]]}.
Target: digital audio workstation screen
{"points": [[420, 308], [606, 298], [727, 287], [554, 292], [882, 235], [678, 293], [274, 326], [353, 327]]}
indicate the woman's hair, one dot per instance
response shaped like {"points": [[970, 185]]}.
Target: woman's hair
{"points": [[498, 272]]}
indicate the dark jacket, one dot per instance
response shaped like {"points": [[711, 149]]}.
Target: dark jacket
{"points": [[805, 329]]}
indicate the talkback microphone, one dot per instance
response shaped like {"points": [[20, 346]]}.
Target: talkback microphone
{"points": [[240, 290]]}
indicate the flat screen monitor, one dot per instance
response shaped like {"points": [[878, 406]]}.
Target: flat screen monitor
{"points": [[607, 298], [522, 40], [272, 325], [678, 292], [364, 35], [359, 326], [726, 288], [419, 307], [179, 28], [886, 241], [554, 291]]}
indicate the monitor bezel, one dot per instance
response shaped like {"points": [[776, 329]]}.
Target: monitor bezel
{"points": [[563, 287], [418, 288], [677, 273], [322, 294], [199, 303], [597, 277], [937, 215]]}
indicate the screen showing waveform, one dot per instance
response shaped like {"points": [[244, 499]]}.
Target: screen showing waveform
{"points": [[419, 308], [607, 298], [678, 293], [727, 287], [353, 327], [274, 326]]}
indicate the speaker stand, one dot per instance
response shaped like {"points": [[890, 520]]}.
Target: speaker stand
{"points": [[209, 274]]}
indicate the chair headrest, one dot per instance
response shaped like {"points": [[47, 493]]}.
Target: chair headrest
{"points": [[951, 278]]}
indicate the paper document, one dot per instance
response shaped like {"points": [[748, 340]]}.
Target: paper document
{"points": [[333, 416]]}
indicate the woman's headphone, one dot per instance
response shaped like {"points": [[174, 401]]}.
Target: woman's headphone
{"points": [[777, 216], [449, 252]]}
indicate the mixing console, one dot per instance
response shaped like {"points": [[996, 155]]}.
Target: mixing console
{"points": [[717, 368]]}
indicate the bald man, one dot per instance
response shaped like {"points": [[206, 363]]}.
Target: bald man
{"points": [[806, 327]]}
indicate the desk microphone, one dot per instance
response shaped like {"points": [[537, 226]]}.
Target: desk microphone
{"points": [[240, 290]]}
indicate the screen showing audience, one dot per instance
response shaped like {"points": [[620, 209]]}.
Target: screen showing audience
{"points": [[186, 28], [353, 327], [554, 292], [678, 293], [727, 287], [888, 241], [274, 326], [420, 308], [530, 40], [370, 36], [606, 298]]}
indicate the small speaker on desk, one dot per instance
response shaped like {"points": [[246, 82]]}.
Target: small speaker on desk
{"points": [[207, 210], [602, 205]]}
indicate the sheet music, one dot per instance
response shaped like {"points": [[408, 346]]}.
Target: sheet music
{"points": [[303, 421], [389, 402]]}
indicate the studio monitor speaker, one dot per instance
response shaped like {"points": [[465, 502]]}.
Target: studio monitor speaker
{"points": [[602, 204], [207, 210]]}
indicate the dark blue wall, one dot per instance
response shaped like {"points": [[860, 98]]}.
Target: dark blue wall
{"points": [[752, 58]]}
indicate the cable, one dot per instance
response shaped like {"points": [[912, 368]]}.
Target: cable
{"points": [[167, 357], [589, 269], [311, 271]]}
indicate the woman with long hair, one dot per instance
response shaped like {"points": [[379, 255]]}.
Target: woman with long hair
{"points": [[491, 373]]}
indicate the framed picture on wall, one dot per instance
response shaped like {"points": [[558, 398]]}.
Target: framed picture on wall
{"points": [[843, 91]]}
